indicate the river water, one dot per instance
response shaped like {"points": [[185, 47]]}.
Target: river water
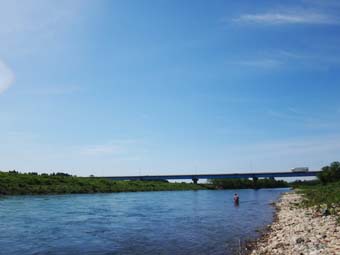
{"points": [[174, 222]]}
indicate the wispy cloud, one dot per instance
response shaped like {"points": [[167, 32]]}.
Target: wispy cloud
{"points": [[34, 26], [264, 63], [297, 146], [53, 90], [285, 17], [296, 117], [284, 154], [288, 59], [323, 3], [6, 77], [104, 149], [313, 152], [113, 148]]}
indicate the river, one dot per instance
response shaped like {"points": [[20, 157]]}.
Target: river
{"points": [[173, 222]]}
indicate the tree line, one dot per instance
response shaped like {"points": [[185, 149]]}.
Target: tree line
{"points": [[248, 183], [330, 173], [15, 183]]}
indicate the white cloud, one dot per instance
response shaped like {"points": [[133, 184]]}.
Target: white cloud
{"points": [[278, 18], [6, 77]]}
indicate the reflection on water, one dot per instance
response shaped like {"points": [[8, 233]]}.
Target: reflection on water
{"points": [[176, 222]]}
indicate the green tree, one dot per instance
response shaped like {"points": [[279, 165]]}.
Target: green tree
{"points": [[330, 173]]}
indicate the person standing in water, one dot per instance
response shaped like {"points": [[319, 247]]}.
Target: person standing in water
{"points": [[236, 199]]}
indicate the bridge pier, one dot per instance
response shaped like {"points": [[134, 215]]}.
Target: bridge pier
{"points": [[195, 180]]}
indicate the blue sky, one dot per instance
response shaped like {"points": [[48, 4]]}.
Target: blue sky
{"points": [[160, 87]]}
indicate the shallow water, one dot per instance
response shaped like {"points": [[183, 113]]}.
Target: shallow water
{"points": [[174, 222]]}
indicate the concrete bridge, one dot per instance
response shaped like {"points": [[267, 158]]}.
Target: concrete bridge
{"points": [[196, 177]]}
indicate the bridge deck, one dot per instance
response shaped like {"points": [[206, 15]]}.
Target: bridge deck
{"points": [[214, 176]]}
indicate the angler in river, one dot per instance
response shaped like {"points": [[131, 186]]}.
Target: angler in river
{"points": [[236, 199]]}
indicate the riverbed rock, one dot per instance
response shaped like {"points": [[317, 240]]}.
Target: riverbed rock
{"points": [[298, 230], [300, 240]]}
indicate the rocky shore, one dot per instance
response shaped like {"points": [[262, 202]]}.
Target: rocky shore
{"points": [[299, 231]]}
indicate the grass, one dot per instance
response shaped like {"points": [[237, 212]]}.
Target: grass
{"points": [[322, 196], [328, 194]]}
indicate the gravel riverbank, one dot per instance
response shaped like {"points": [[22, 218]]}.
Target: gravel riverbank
{"points": [[299, 231]]}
